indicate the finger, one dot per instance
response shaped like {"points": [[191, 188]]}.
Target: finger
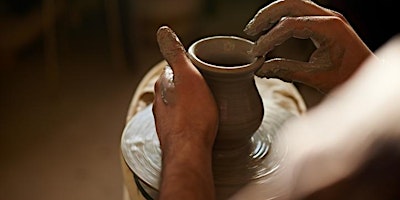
{"points": [[309, 27], [289, 71], [172, 49], [271, 14]]}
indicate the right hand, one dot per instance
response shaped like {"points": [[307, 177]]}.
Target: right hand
{"points": [[339, 50], [186, 120], [349, 146], [184, 108]]}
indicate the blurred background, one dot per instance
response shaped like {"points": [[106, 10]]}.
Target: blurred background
{"points": [[68, 70]]}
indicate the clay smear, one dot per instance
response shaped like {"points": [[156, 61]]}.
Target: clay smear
{"points": [[169, 44], [167, 85]]}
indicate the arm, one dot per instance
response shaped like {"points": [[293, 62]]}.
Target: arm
{"points": [[186, 118], [339, 50], [187, 172], [348, 147]]}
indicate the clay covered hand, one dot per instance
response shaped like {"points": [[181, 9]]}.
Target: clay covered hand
{"points": [[339, 50], [186, 120], [184, 107]]}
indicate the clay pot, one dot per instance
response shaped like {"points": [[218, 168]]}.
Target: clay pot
{"points": [[249, 120], [241, 143], [228, 68]]}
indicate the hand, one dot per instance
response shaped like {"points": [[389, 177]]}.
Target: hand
{"points": [[184, 107], [339, 50], [186, 119]]}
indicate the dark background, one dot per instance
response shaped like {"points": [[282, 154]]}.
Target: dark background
{"points": [[68, 70]]}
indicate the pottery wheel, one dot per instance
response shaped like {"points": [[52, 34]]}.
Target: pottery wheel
{"points": [[141, 151]]}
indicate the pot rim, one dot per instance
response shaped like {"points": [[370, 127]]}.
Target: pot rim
{"points": [[242, 68]]}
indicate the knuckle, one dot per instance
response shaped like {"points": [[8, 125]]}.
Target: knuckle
{"points": [[337, 20], [339, 15]]}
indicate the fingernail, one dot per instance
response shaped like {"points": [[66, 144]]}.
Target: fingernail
{"points": [[248, 30]]}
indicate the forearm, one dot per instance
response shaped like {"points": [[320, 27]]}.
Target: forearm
{"points": [[187, 173]]}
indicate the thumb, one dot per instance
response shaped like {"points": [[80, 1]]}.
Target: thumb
{"points": [[172, 49]]}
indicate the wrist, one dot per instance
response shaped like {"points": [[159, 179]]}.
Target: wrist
{"points": [[186, 148], [187, 170], [188, 140]]}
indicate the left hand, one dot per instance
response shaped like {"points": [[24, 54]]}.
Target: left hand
{"points": [[339, 50]]}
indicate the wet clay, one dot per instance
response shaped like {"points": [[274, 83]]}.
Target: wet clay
{"points": [[167, 85], [244, 154], [169, 43], [142, 155]]}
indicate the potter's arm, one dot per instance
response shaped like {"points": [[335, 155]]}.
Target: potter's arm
{"points": [[186, 119], [339, 50], [348, 147]]}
